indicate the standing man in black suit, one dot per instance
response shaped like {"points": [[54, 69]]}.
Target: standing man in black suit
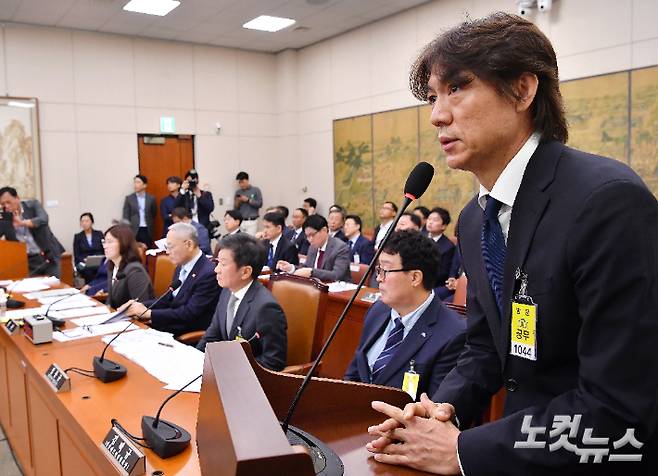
{"points": [[197, 201], [299, 216], [44, 251], [278, 247], [560, 248], [246, 309], [437, 222], [139, 211]]}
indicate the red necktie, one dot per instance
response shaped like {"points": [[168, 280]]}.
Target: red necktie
{"points": [[320, 259]]}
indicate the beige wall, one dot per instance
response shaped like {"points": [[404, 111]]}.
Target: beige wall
{"points": [[98, 91]]}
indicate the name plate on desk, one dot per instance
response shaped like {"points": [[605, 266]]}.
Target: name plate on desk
{"points": [[11, 327], [123, 454], [57, 378]]}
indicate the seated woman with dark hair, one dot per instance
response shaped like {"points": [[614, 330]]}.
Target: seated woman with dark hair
{"points": [[126, 276], [87, 243]]}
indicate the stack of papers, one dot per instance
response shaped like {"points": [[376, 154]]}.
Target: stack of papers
{"points": [[85, 311], [61, 292], [90, 331], [162, 356], [340, 286], [17, 314], [32, 284]]}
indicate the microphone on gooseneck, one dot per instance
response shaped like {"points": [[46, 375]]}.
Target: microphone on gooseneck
{"points": [[417, 182], [107, 370], [57, 323]]}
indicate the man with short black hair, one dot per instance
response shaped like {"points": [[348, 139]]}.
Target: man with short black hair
{"points": [[246, 309], [199, 202], [180, 214], [387, 213], [423, 214], [30, 223], [310, 205], [278, 246], [299, 216], [232, 221], [328, 258], [408, 221], [408, 329], [168, 203], [361, 251], [139, 210], [248, 200], [437, 222]]}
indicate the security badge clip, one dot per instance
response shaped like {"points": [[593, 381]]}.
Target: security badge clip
{"points": [[411, 380], [523, 323]]}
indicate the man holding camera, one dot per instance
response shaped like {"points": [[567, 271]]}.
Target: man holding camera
{"points": [[248, 199], [199, 202]]}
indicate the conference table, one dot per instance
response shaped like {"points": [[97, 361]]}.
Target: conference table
{"points": [[60, 434]]}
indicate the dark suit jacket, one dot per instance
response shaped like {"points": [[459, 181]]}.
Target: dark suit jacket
{"points": [[258, 312], [340, 235], [301, 243], [167, 205], [81, 248], [285, 250], [205, 204], [43, 236], [192, 308], [446, 249], [585, 230], [434, 343], [132, 282], [131, 211], [336, 263], [364, 248], [455, 271], [204, 238], [288, 233]]}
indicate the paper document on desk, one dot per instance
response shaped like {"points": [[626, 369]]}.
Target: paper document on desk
{"points": [[85, 311], [61, 292], [91, 331], [161, 245], [68, 302], [97, 319], [339, 286], [162, 356], [22, 313], [33, 284]]}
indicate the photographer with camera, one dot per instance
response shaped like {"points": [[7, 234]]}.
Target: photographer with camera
{"points": [[199, 202]]}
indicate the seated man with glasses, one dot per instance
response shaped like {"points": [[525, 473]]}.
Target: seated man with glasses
{"points": [[191, 306], [410, 340]]}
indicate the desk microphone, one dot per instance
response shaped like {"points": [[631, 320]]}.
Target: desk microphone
{"points": [[417, 182], [57, 323], [13, 303], [107, 370], [163, 437]]}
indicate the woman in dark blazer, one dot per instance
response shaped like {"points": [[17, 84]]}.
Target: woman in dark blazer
{"points": [[126, 276], [87, 243]]}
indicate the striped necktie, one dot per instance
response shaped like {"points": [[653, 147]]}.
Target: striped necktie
{"points": [[392, 343], [270, 257], [494, 249]]}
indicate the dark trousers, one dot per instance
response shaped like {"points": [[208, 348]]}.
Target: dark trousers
{"points": [[143, 236], [39, 266]]}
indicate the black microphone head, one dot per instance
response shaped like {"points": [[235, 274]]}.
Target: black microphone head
{"points": [[418, 181], [175, 284]]}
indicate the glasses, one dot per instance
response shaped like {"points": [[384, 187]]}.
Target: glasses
{"points": [[108, 242], [382, 273]]}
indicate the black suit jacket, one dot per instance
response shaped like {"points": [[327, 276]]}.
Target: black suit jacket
{"points": [[131, 211], [585, 230], [446, 249], [301, 243], [258, 312], [81, 248], [132, 282], [434, 343], [193, 306], [364, 248], [205, 204], [43, 236], [285, 250]]}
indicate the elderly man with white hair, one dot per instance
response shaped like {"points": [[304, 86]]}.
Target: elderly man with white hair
{"points": [[191, 306]]}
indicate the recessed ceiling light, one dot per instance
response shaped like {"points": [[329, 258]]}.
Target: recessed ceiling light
{"points": [[151, 7], [268, 23]]}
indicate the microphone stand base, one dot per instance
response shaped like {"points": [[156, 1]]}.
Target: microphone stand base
{"points": [[167, 439], [325, 461], [107, 370]]}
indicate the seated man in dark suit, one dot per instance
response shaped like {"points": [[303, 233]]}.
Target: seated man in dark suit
{"points": [[278, 247], [246, 309], [328, 258], [30, 223], [336, 220], [437, 223], [190, 307], [181, 214], [361, 249], [299, 216], [408, 329]]}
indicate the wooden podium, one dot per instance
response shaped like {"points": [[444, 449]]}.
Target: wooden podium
{"points": [[13, 260], [241, 403]]}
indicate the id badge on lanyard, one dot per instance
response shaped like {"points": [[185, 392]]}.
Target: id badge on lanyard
{"points": [[523, 339]]}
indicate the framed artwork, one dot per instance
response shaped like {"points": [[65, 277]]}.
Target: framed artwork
{"points": [[20, 160]]}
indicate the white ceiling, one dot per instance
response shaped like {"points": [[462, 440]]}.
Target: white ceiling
{"points": [[214, 22]]}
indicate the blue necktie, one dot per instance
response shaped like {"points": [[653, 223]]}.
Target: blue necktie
{"points": [[270, 257], [392, 343], [494, 249]]}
